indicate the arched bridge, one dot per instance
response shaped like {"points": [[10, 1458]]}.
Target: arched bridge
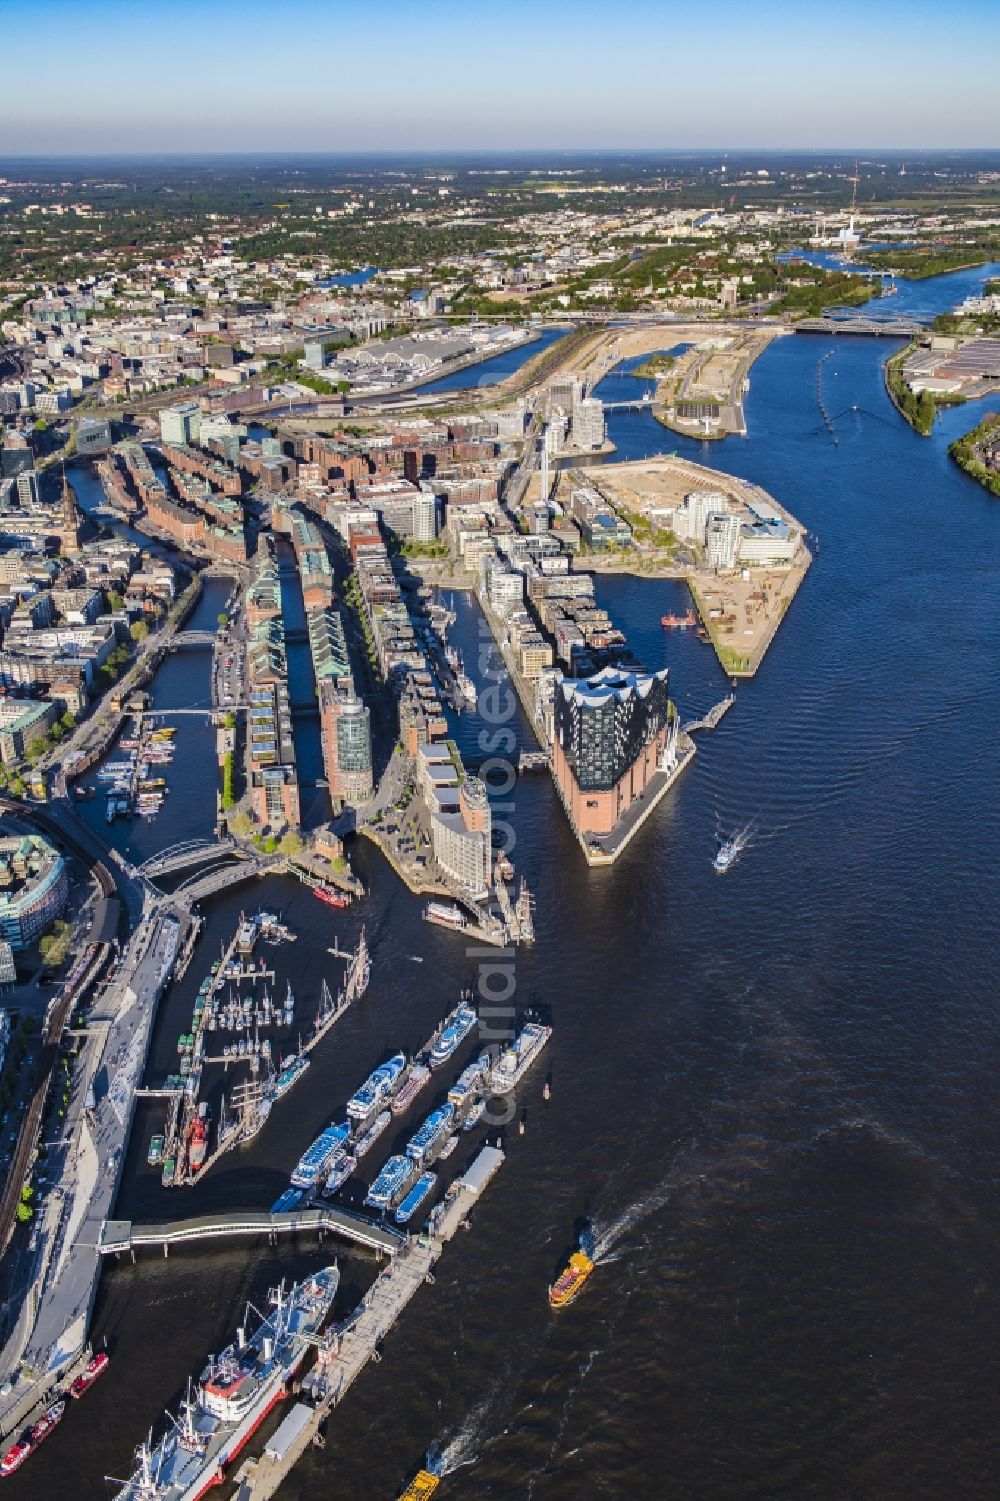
{"points": [[198, 886], [894, 328], [191, 852]]}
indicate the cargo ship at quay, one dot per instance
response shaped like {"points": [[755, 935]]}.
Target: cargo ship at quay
{"points": [[234, 1394]]}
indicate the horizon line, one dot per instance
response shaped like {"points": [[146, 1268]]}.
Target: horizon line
{"points": [[473, 151]]}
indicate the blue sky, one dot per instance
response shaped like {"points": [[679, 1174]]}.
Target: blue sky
{"points": [[174, 75]]}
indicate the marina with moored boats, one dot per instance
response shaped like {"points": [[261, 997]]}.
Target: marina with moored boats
{"points": [[247, 1017]]}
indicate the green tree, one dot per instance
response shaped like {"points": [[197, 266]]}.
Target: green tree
{"points": [[54, 945], [925, 411], [36, 749], [241, 824], [115, 600], [138, 630], [223, 619], [290, 843], [17, 785], [68, 721]]}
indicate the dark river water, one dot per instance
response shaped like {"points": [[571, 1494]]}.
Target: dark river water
{"points": [[774, 1093]]}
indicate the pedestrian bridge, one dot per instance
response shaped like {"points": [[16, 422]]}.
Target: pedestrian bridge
{"points": [[192, 852], [117, 1236], [207, 884], [641, 404]]}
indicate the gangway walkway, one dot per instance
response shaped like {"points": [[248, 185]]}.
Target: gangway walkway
{"points": [[711, 719], [118, 1236]]}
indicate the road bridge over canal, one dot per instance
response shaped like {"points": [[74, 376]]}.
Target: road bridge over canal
{"points": [[192, 638]]}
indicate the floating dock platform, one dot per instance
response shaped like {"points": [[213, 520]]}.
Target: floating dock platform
{"points": [[340, 1361]]}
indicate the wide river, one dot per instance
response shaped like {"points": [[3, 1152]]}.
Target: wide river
{"points": [[774, 1093]]}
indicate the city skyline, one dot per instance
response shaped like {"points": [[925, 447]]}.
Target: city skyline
{"points": [[179, 79]]}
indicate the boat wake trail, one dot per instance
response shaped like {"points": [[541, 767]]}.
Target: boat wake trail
{"points": [[607, 1236], [464, 1447]]}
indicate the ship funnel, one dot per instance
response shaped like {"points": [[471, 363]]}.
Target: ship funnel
{"points": [[241, 1337]]}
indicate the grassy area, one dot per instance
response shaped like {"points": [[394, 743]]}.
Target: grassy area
{"points": [[732, 661], [425, 550], [966, 452], [228, 781], [656, 365]]}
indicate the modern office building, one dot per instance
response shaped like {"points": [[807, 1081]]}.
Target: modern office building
{"points": [[425, 516], [347, 742], [461, 837], [22, 721], [93, 436], [181, 424], [314, 354], [691, 516], [609, 735], [274, 794], [26, 488], [34, 888], [588, 423], [16, 455], [722, 540]]}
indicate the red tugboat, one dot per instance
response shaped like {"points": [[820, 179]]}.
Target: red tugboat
{"points": [[89, 1375], [678, 622], [197, 1142], [331, 897], [15, 1457], [18, 1453], [48, 1420]]}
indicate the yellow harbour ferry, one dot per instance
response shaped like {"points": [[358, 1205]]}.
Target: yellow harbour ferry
{"points": [[423, 1485], [571, 1279]]}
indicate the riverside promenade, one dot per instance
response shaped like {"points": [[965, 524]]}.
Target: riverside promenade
{"points": [[53, 1330]]}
